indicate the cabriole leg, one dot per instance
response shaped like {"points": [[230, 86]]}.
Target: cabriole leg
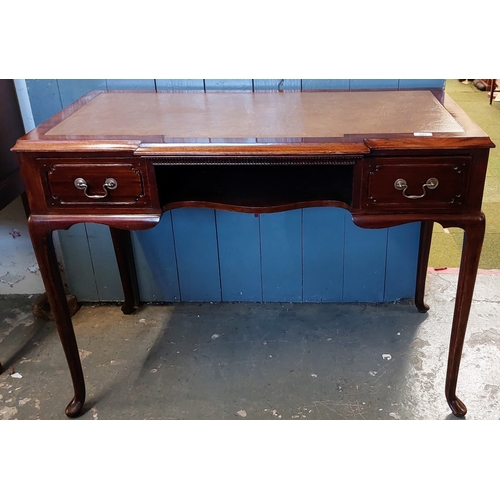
{"points": [[423, 261], [41, 236], [471, 252], [122, 244]]}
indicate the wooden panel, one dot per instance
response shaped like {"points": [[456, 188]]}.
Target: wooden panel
{"points": [[128, 179], [196, 253], [89, 246], [71, 90], [130, 84], [78, 263], [279, 85], [228, 85], [107, 277], [364, 268], [325, 84], [44, 98], [281, 247], [239, 256], [148, 277], [401, 262], [156, 263], [179, 85], [373, 84], [446, 180], [323, 247], [421, 84]]}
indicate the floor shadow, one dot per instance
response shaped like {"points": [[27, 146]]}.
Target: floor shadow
{"points": [[344, 360]]}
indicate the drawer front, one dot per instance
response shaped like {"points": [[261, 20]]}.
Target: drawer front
{"points": [[101, 183], [416, 183]]}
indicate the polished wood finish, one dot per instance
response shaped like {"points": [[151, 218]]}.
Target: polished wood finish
{"points": [[423, 260], [388, 157], [473, 241], [122, 244]]}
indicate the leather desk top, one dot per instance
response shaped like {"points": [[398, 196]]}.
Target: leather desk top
{"points": [[244, 115]]}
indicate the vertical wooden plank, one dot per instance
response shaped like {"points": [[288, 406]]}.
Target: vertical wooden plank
{"points": [[197, 255], [71, 90], [325, 84], [281, 249], [323, 243], [44, 98], [364, 263], [156, 263], [147, 277], [401, 267], [278, 85], [23, 99], [239, 256], [78, 263], [421, 84], [179, 85], [105, 268], [374, 84], [130, 84], [235, 84]]}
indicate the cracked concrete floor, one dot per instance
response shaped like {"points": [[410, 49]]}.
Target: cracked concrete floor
{"points": [[256, 361]]}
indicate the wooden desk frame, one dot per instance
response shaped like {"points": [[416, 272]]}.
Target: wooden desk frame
{"points": [[383, 180]]}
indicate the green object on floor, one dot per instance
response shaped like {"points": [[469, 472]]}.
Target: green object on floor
{"points": [[446, 244]]}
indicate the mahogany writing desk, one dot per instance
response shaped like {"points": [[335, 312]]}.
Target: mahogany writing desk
{"points": [[123, 158]]}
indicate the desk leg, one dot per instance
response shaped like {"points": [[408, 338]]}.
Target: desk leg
{"points": [[471, 252], [423, 261], [41, 236], [122, 244]]}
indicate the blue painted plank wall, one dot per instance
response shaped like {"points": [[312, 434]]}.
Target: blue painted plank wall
{"points": [[307, 255], [323, 234], [238, 237], [281, 251]]}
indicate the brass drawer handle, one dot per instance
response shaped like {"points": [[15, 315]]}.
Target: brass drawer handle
{"points": [[401, 185], [110, 184]]}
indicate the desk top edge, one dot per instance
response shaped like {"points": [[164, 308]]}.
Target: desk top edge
{"points": [[39, 139]]}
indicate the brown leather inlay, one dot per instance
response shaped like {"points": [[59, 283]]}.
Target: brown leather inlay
{"points": [[258, 115]]}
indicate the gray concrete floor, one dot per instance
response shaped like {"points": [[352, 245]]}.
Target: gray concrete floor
{"points": [[256, 361]]}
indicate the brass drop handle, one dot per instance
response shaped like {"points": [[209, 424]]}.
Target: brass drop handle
{"points": [[402, 185], [109, 184]]}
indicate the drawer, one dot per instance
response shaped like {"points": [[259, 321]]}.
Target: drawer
{"points": [[99, 183], [416, 183]]}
